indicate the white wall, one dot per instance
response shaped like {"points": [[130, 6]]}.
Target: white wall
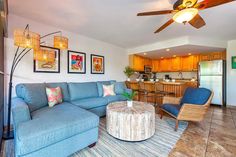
{"points": [[231, 74], [115, 57]]}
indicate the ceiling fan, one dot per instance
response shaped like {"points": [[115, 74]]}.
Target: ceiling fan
{"points": [[186, 11]]}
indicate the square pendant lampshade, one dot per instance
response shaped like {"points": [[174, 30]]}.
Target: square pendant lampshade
{"points": [[26, 39], [61, 42], [44, 55]]}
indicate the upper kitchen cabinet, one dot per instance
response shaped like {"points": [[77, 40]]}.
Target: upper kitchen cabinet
{"points": [[147, 62], [136, 62], [195, 62], [176, 64], [165, 65], [213, 56], [187, 63], [155, 65]]}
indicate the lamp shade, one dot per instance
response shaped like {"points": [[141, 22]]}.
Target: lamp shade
{"points": [[44, 55], [26, 39], [61, 42], [185, 15]]}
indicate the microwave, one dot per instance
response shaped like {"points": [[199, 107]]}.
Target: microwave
{"points": [[147, 69]]}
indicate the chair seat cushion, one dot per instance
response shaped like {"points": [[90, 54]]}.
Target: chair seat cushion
{"points": [[171, 108], [198, 96], [115, 98], [51, 125], [90, 103]]}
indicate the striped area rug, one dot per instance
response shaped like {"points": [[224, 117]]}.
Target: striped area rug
{"points": [[158, 145]]}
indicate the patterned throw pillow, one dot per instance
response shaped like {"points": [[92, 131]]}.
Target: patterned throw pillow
{"points": [[108, 90], [54, 96]]}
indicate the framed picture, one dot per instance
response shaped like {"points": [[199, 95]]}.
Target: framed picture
{"points": [[76, 62], [97, 64], [233, 62], [48, 66]]}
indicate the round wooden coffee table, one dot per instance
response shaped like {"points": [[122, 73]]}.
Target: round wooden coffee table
{"points": [[135, 123]]}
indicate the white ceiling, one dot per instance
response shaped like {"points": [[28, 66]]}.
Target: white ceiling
{"points": [[115, 21], [180, 51]]}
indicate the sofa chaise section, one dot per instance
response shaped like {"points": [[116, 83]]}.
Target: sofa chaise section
{"points": [[43, 131]]}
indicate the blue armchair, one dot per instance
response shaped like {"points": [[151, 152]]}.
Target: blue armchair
{"points": [[191, 107]]}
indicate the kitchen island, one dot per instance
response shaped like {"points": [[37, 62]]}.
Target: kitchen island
{"points": [[177, 88]]}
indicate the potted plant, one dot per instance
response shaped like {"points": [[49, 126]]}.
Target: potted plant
{"points": [[129, 97], [128, 72]]}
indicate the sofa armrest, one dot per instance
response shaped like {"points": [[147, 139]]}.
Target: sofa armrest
{"points": [[171, 100], [20, 111]]}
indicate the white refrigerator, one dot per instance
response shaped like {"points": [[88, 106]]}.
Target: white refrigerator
{"points": [[212, 75]]}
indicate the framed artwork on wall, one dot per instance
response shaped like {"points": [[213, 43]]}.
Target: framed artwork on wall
{"points": [[48, 66], [233, 62], [76, 62], [97, 64]]}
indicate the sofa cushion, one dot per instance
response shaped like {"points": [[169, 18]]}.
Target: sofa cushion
{"points": [[172, 108], [198, 96], [108, 90], [64, 88], [51, 125], [34, 94], [115, 98], [90, 103], [99, 86], [120, 87], [82, 90]]}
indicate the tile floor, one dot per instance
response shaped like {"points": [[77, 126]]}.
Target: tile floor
{"points": [[213, 137]]}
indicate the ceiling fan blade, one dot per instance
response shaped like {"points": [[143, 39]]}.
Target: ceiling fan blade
{"points": [[197, 22], [211, 3], [155, 13], [178, 4], [165, 25]]}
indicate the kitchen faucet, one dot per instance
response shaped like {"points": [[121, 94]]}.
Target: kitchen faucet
{"points": [[180, 74]]}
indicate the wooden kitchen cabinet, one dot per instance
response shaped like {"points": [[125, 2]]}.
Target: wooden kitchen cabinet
{"points": [[165, 65], [176, 64], [187, 63], [147, 62], [213, 56], [136, 62], [155, 65], [195, 62]]}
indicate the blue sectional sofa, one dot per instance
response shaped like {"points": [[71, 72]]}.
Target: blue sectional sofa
{"points": [[65, 128]]}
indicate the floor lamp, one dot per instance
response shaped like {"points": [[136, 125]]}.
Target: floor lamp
{"points": [[28, 41]]}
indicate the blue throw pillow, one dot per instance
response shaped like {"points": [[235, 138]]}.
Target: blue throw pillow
{"points": [[198, 96], [120, 87]]}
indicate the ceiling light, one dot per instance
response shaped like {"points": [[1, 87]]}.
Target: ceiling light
{"points": [[144, 54], [185, 15], [167, 49]]}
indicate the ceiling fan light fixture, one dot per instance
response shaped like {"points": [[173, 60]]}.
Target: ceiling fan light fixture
{"points": [[185, 15]]}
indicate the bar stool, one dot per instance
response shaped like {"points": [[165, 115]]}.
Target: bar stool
{"points": [[147, 91]]}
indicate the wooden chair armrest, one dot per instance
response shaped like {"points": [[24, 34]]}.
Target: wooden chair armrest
{"points": [[192, 112], [171, 100]]}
